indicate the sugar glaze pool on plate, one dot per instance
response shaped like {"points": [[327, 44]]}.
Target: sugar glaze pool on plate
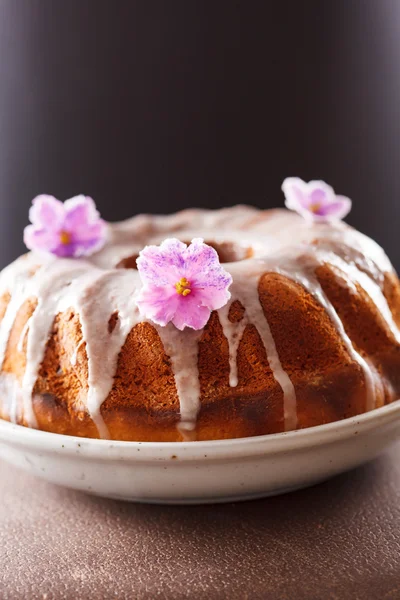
{"points": [[201, 472]]}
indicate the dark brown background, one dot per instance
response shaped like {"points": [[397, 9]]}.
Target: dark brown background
{"points": [[155, 106]]}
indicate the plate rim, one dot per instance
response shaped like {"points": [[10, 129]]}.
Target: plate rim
{"points": [[12, 434]]}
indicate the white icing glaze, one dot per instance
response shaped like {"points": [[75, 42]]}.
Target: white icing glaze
{"points": [[20, 346], [54, 277], [11, 395], [182, 349], [233, 333], [245, 289], [13, 280], [309, 281], [281, 242], [103, 293], [74, 357]]}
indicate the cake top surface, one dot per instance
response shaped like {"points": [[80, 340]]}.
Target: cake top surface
{"points": [[266, 232]]}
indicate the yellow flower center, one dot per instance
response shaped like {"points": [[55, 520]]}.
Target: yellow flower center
{"points": [[65, 238], [183, 287], [315, 207]]}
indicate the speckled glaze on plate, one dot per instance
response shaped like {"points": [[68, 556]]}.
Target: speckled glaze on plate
{"points": [[202, 472]]}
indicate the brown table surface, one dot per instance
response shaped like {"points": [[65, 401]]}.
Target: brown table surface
{"points": [[338, 540]]}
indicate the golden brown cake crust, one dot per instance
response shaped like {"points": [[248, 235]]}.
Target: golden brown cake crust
{"points": [[143, 403]]}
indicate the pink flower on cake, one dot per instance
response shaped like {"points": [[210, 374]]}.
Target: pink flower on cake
{"points": [[181, 284], [315, 201], [67, 229]]}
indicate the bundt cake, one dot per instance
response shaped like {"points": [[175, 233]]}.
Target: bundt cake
{"points": [[309, 334]]}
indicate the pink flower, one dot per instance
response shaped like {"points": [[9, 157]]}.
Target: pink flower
{"points": [[315, 201], [181, 283], [72, 228]]}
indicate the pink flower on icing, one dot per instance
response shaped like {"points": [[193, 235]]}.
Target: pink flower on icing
{"points": [[315, 201], [72, 228], [181, 283]]}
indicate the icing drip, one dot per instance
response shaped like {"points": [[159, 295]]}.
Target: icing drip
{"points": [[10, 393], [257, 318], [74, 357], [182, 349], [95, 295], [28, 286], [52, 276], [369, 379], [20, 346], [369, 285], [245, 289], [18, 273], [104, 294], [233, 333], [304, 274]]}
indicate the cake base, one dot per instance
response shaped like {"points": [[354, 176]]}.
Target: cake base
{"points": [[202, 472]]}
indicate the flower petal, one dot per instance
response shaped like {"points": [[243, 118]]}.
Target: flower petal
{"points": [[318, 196], [158, 303], [162, 265], [199, 257], [296, 193], [338, 209], [190, 314], [215, 278], [82, 221], [88, 240], [203, 268], [45, 240], [64, 250], [211, 297], [46, 211], [320, 192], [80, 212]]}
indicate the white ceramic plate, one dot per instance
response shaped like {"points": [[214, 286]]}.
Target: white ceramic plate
{"points": [[202, 472]]}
